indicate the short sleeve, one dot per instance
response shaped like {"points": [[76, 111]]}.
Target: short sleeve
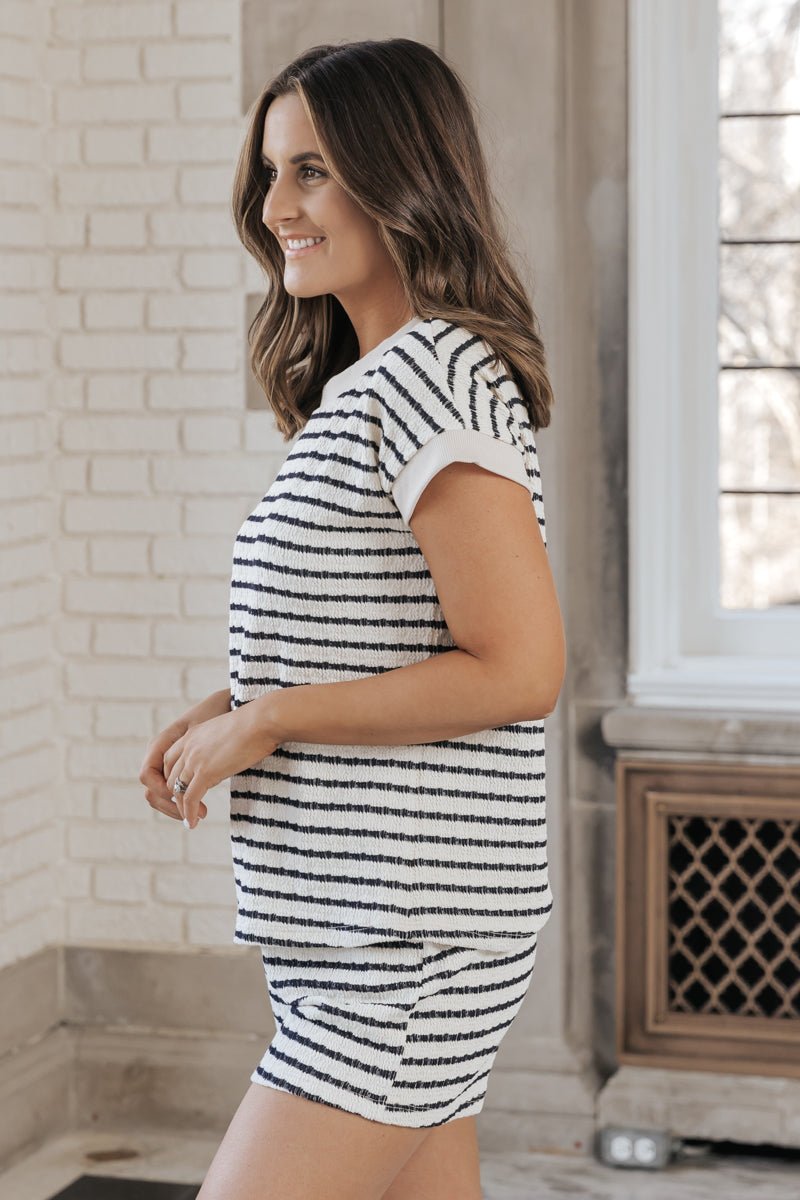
{"points": [[455, 445], [442, 403]]}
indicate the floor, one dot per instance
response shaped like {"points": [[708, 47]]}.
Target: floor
{"points": [[181, 1160]]}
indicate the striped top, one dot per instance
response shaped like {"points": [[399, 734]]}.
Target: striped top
{"points": [[346, 845]]}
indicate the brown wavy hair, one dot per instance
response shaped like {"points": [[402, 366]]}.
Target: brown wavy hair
{"points": [[396, 127]]}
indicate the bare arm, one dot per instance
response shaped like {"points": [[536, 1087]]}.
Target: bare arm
{"points": [[480, 537]]}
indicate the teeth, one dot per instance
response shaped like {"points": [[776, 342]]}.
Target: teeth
{"points": [[300, 243]]}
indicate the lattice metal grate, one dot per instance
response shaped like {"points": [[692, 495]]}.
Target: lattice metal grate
{"points": [[734, 916], [708, 915]]}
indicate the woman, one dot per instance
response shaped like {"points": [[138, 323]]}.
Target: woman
{"points": [[395, 639]]}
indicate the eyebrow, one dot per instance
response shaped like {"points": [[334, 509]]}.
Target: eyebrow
{"points": [[295, 158]]}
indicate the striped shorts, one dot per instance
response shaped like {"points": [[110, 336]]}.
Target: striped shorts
{"points": [[403, 1032]]}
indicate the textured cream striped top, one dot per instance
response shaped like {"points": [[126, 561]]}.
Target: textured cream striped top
{"points": [[345, 845]]}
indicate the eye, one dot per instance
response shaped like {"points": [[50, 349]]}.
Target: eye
{"points": [[306, 167]]}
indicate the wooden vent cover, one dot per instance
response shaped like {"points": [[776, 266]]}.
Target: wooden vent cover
{"points": [[708, 916]]}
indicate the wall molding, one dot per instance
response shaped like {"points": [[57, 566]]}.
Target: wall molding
{"points": [[684, 650]]}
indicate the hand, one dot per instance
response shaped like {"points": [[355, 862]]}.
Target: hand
{"points": [[157, 794], [214, 750]]}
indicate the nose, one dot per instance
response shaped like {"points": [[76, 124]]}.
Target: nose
{"points": [[280, 202]]}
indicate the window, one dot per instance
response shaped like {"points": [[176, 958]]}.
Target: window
{"points": [[759, 385], [714, 374]]}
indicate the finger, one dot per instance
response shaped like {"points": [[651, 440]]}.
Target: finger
{"points": [[203, 812], [152, 777], [174, 769], [160, 761], [168, 808], [178, 801], [169, 778], [162, 806], [152, 774], [192, 802], [172, 777], [171, 754]]}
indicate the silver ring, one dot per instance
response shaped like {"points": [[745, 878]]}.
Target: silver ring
{"points": [[179, 787]]}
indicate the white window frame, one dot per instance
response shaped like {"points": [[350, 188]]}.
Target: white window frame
{"points": [[685, 650]]}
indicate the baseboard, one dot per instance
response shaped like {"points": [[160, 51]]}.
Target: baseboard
{"points": [[152, 1037], [753, 1109]]}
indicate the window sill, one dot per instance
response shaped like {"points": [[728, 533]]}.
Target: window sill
{"points": [[707, 731]]}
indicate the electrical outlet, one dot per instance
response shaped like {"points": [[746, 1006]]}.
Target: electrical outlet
{"points": [[626, 1146]]}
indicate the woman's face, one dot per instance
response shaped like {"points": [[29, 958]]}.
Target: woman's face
{"points": [[303, 199]]}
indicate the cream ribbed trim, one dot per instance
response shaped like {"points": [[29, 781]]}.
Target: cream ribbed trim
{"points": [[455, 445]]}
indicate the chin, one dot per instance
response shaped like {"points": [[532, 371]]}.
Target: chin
{"points": [[305, 293]]}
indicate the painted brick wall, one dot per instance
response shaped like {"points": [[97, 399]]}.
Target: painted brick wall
{"points": [[31, 836], [128, 457]]}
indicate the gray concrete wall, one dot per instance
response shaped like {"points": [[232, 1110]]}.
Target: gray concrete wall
{"points": [[550, 80]]}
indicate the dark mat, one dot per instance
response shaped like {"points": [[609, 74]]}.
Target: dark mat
{"points": [[106, 1187]]}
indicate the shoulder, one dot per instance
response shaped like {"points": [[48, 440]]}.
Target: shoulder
{"points": [[441, 353], [444, 339], [441, 374]]}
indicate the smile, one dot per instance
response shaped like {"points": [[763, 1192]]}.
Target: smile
{"points": [[303, 249]]}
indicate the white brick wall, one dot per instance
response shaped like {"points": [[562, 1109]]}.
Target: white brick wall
{"points": [[128, 461], [30, 830]]}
